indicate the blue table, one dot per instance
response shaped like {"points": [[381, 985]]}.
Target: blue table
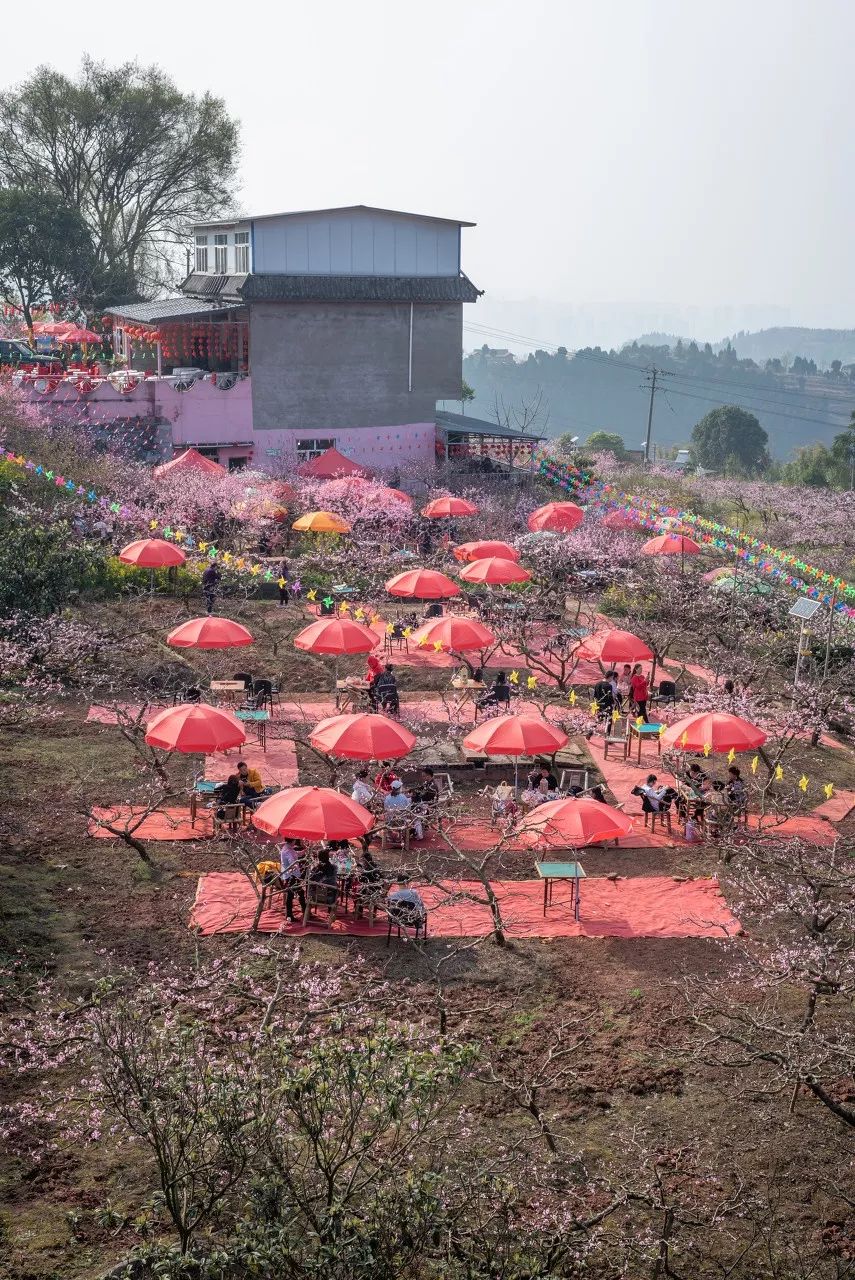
{"points": [[643, 731], [549, 872], [259, 719]]}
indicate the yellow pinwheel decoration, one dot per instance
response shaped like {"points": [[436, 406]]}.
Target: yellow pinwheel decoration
{"points": [[779, 773], [255, 569], [437, 645], [595, 706], [531, 682], [731, 756], [571, 698], [360, 613], [240, 563], [227, 557], [203, 547], [389, 628], [514, 677], [829, 790], [312, 595], [178, 535], [280, 582], [615, 716], [803, 783], [684, 741], [152, 524], [707, 748], [406, 633], [754, 764]]}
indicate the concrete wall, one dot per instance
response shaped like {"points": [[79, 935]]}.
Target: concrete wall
{"points": [[296, 386], [352, 243]]}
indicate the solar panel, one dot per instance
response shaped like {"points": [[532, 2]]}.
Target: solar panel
{"points": [[804, 608]]}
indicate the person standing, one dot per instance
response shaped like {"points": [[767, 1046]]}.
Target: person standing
{"points": [[282, 583], [640, 691], [210, 586]]}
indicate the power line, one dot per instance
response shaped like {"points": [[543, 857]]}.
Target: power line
{"points": [[708, 399]]}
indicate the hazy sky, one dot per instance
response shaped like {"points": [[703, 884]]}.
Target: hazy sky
{"points": [[628, 162]]}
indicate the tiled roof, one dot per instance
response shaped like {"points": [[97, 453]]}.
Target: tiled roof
{"points": [[170, 309], [318, 288], [347, 208]]}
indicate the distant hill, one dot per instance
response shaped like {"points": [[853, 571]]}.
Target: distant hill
{"points": [[783, 343], [594, 389]]}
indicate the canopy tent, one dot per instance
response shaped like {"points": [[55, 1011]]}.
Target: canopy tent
{"points": [[190, 460], [330, 465]]}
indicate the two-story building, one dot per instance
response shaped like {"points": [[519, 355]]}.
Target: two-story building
{"points": [[333, 327]]}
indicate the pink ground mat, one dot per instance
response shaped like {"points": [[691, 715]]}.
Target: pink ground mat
{"points": [[641, 907], [165, 824]]}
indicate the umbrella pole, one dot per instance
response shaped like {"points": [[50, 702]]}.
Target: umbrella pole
{"points": [[516, 775], [151, 582]]}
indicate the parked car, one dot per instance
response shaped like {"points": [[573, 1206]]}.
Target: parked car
{"points": [[16, 353]]}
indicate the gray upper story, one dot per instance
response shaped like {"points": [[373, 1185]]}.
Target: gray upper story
{"points": [[354, 241]]}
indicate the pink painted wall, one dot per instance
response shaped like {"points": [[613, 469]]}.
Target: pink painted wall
{"points": [[206, 415]]}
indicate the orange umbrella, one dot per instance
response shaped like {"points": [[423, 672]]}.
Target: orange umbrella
{"points": [[477, 550], [614, 646], [441, 508], [494, 571], [209, 633], [516, 736], [336, 636], [620, 521], [320, 522], [576, 822], [422, 584], [717, 731], [557, 517], [152, 553], [362, 737], [671, 544], [458, 634], [195, 728], [312, 813]]}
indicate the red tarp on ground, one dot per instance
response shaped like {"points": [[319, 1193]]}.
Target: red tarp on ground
{"points": [[166, 824], [329, 464], [190, 460], [642, 907]]}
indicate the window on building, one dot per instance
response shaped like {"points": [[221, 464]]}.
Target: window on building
{"points": [[201, 253], [221, 254], [307, 449], [238, 464], [241, 251]]}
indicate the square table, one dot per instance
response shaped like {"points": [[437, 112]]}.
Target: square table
{"points": [[228, 690], [350, 692], [549, 872], [642, 731], [259, 719], [202, 787], [467, 691]]}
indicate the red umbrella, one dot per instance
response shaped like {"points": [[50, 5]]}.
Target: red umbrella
{"points": [[73, 334], [494, 571], [576, 822], [443, 507], [620, 522], [195, 727], [362, 737], [51, 328], [477, 550], [190, 460], [458, 634], [422, 584], [516, 736], [614, 646], [209, 633], [557, 517], [152, 553], [718, 730], [312, 813], [671, 544], [336, 636]]}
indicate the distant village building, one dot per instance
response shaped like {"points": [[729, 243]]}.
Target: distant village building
{"points": [[297, 332]]}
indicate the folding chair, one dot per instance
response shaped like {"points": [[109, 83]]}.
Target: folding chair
{"points": [[662, 816], [232, 819], [619, 739], [573, 777], [401, 916]]}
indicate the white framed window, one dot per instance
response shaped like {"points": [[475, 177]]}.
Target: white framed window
{"points": [[201, 253], [241, 252], [312, 448], [221, 253]]}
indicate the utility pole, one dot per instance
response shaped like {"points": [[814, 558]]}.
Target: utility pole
{"points": [[652, 374]]}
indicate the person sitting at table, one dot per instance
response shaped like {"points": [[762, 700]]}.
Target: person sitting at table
{"points": [[717, 808], [737, 792], [384, 780], [397, 806], [385, 687], [227, 793], [434, 610], [404, 906], [498, 694], [657, 797], [696, 777], [292, 873], [427, 792], [368, 885], [323, 884], [547, 780], [640, 691], [504, 802], [363, 792], [251, 786]]}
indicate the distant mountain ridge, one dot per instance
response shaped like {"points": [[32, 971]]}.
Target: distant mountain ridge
{"points": [[783, 343]]}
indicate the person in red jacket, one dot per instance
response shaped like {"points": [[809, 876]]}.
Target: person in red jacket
{"points": [[640, 691]]}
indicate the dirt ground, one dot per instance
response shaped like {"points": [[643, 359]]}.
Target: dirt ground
{"points": [[68, 896]]}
